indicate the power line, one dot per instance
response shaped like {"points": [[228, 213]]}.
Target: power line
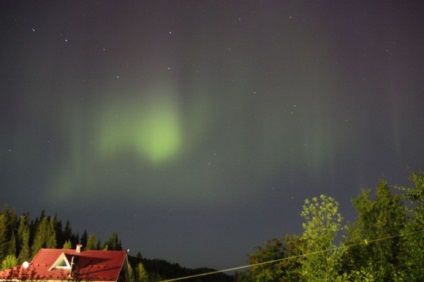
{"points": [[364, 242]]}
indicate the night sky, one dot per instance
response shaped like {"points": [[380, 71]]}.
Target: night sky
{"points": [[196, 129]]}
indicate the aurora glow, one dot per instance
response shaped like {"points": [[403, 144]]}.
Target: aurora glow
{"points": [[199, 127], [152, 129]]}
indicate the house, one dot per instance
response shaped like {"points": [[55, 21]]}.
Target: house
{"points": [[73, 265]]}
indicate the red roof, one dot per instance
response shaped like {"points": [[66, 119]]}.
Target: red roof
{"points": [[56, 264]]}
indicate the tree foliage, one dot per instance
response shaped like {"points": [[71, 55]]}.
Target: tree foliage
{"points": [[322, 223], [9, 261], [92, 243], [384, 243], [4, 217], [375, 235], [113, 243], [276, 260], [141, 274], [67, 245], [412, 245], [24, 252]]}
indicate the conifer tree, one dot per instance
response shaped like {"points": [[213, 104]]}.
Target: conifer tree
{"points": [[12, 249], [60, 240], [67, 245], [4, 240], [51, 241], [113, 243], [23, 239], [84, 238], [131, 273], [67, 231], [92, 243], [141, 274], [40, 236], [12, 244]]}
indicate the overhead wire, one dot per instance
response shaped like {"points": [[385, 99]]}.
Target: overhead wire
{"points": [[363, 242]]}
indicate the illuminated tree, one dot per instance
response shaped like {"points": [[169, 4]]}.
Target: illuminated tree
{"points": [[412, 255], [270, 251], [141, 274], [276, 260], [322, 225], [92, 243], [67, 245], [9, 262], [4, 223], [45, 234], [113, 243], [40, 235], [131, 273], [12, 223], [51, 240], [374, 238], [23, 239]]}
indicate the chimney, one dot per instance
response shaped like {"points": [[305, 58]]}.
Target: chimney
{"points": [[79, 246]]}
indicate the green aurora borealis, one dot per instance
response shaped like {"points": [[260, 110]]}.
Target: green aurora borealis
{"points": [[152, 130]]}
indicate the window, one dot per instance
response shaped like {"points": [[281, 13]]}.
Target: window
{"points": [[61, 263]]}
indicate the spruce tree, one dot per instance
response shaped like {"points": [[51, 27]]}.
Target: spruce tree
{"points": [[12, 248], [67, 245], [41, 234], [92, 243], [84, 238], [23, 239], [4, 240], [113, 243], [51, 241], [141, 273]]}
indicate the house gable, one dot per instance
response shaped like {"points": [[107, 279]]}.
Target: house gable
{"points": [[61, 263]]}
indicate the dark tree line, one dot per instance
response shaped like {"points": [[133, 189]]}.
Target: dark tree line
{"points": [[21, 237], [384, 243], [159, 269]]}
